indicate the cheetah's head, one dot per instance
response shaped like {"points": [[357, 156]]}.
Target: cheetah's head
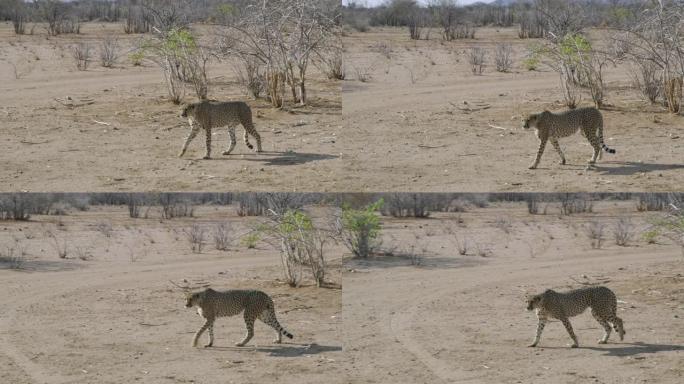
{"points": [[530, 121], [188, 110], [192, 299], [534, 302]]}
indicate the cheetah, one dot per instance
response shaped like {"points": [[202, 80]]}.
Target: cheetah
{"points": [[213, 114], [553, 126], [562, 306], [256, 304]]}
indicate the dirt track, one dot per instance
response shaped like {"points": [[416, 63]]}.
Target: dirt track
{"points": [[427, 119], [113, 320], [462, 319], [125, 135]]}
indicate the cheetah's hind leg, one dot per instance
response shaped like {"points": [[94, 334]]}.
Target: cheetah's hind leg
{"points": [[605, 326], [249, 323], [231, 142]]}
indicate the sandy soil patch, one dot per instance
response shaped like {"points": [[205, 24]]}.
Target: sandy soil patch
{"points": [[51, 147], [116, 317], [424, 122], [455, 318]]}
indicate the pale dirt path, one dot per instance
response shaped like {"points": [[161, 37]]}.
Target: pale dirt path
{"points": [[412, 136], [48, 146], [443, 324], [39, 329]]}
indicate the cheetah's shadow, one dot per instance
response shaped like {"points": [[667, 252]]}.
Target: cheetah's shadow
{"points": [[628, 168], [288, 158], [285, 350], [632, 349]]}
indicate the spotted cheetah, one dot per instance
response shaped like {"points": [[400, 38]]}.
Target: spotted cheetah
{"points": [[562, 306], [553, 126], [256, 304], [213, 114]]}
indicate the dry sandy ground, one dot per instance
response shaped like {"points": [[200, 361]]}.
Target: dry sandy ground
{"points": [[116, 318], [416, 136], [48, 146], [462, 319]]}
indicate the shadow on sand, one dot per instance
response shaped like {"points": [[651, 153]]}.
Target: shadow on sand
{"points": [[41, 266], [285, 350], [627, 168], [277, 158], [631, 349]]}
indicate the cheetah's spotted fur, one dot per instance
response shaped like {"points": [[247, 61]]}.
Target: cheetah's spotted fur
{"points": [[553, 126], [563, 306], [255, 304], [213, 114]]}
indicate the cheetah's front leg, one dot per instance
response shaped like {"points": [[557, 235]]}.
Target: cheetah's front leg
{"points": [[193, 132], [207, 130], [568, 327], [559, 150], [540, 328], [542, 145], [207, 324]]}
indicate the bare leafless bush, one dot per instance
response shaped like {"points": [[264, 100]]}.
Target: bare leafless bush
{"points": [[59, 245], [383, 48], [301, 244], [533, 206], [104, 227], [652, 202], [250, 76], [196, 236], [14, 255], [222, 236], [595, 233], [195, 66], [362, 72], [657, 38], [332, 64], [83, 253], [623, 231], [69, 26], [136, 22], [482, 250], [82, 55], [464, 31], [283, 36], [571, 204], [250, 204], [532, 27], [477, 60], [16, 206], [648, 80], [18, 17], [503, 223], [133, 203], [175, 206], [502, 57], [109, 52], [413, 204], [279, 203]]}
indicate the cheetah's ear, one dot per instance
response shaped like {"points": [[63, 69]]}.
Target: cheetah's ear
{"points": [[209, 290]]}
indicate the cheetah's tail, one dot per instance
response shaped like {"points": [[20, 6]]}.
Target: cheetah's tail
{"points": [[282, 330], [605, 148], [286, 333]]}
